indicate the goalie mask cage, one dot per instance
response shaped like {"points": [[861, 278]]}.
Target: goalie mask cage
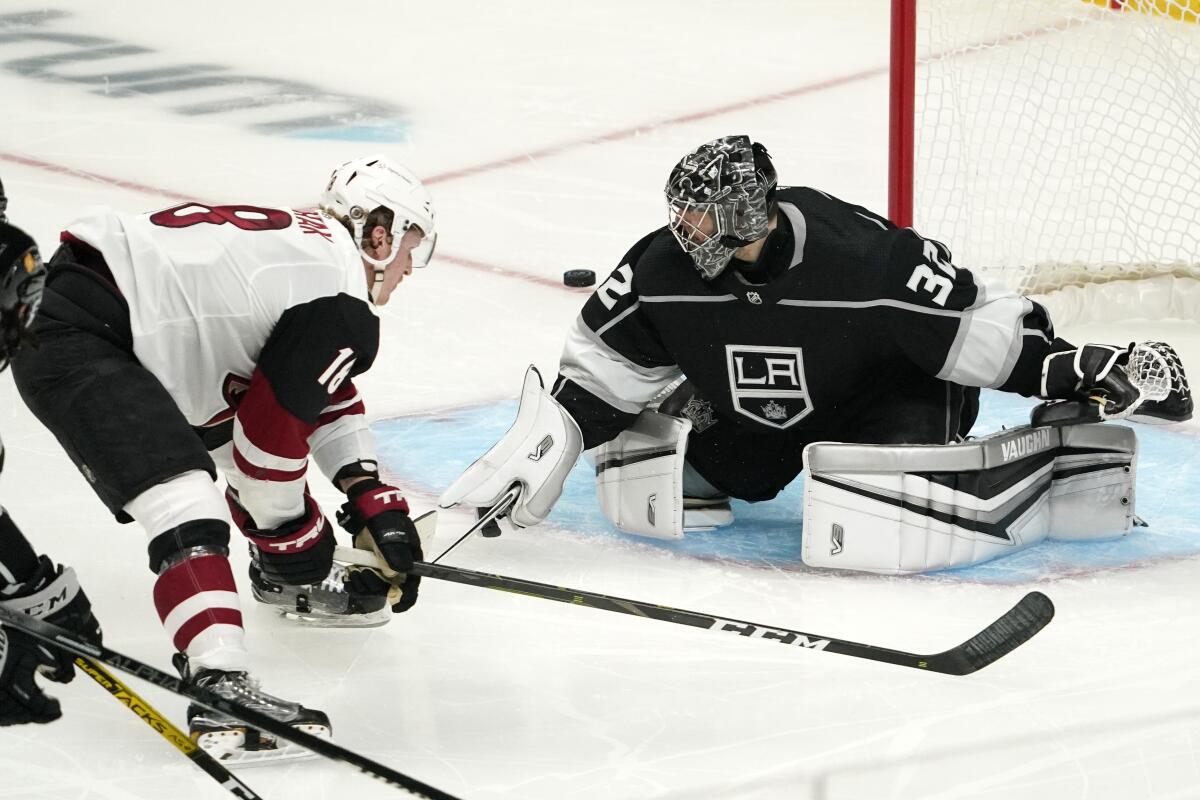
{"points": [[1054, 145]]}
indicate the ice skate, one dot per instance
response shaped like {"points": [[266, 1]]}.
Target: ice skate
{"points": [[349, 597], [231, 741]]}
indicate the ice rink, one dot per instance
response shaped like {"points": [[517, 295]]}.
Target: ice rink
{"points": [[545, 131]]}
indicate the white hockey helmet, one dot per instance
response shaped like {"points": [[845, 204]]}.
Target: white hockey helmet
{"points": [[358, 187]]}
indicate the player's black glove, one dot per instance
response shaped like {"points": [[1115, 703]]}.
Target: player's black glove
{"points": [[296, 553], [376, 515], [51, 594], [1093, 373]]}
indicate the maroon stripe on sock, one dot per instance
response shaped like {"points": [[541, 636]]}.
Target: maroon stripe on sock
{"points": [[210, 573], [202, 621]]}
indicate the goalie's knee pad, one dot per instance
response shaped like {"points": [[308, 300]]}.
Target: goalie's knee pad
{"points": [[537, 453], [906, 509], [639, 476], [646, 487]]}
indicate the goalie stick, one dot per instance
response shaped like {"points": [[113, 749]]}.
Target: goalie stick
{"points": [[1017, 626], [178, 739], [65, 640]]}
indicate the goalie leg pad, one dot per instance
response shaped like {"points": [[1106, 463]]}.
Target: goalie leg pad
{"points": [[639, 476], [1093, 494], [908, 509], [646, 487]]}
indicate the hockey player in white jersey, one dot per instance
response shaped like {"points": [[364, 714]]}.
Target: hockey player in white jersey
{"points": [[232, 334], [30, 583], [766, 320]]}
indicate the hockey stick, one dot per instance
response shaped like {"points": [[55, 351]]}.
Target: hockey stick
{"points": [[65, 640], [1017, 626], [487, 519], [178, 739]]}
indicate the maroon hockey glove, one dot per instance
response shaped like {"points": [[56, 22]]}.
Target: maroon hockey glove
{"points": [[1092, 373], [51, 594], [296, 553], [381, 512]]}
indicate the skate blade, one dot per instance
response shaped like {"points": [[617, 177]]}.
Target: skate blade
{"points": [[374, 619], [227, 747], [706, 519]]}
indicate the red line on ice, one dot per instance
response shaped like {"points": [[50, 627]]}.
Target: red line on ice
{"points": [[95, 177]]}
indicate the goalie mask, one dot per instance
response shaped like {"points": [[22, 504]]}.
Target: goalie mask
{"points": [[718, 198], [364, 185], [22, 277]]}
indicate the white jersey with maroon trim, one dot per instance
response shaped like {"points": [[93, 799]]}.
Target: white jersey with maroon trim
{"points": [[254, 319]]}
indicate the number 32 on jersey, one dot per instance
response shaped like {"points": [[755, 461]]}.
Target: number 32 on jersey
{"points": [[923, 277]]}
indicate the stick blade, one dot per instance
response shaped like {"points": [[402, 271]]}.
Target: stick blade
{"points": [[1018, 625]]}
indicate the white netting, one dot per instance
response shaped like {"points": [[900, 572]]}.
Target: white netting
{"points": [[1058, 141]]}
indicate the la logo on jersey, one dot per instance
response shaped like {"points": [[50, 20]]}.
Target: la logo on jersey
{"points": [[767, 384]]}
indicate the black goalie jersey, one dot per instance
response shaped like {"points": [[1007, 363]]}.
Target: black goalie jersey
{"points": [[847, 329]]}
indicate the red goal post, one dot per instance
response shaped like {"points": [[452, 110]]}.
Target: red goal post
{"points": [[1054, 145]]}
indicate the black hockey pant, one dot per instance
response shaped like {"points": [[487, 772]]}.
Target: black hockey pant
{"points": [[81, 379]]}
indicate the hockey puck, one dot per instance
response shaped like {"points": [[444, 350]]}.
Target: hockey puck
{"points": [[579, 277]]}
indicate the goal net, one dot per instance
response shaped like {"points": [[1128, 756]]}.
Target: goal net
{"points": [[1055, 145]]}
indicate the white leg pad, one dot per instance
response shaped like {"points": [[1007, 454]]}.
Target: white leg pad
{"points": [[639, 476], [916, 508], [1093, 494]]}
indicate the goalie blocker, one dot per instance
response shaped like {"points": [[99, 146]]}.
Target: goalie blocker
{"points": [[914, 508], [534, 456]]}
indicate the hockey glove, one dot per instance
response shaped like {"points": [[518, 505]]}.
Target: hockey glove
{"points": [[376, 515], [52, 594], [1156, 369], [296, 553], [1093, 373]]}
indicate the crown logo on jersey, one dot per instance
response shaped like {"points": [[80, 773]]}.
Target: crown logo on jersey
{"points": [[700, 412], [773, 410], [754, 297]]}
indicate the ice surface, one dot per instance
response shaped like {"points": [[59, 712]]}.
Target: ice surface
{"points": [[546, 130], [767, 535]]}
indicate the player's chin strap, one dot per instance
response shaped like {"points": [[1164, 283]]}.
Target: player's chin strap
{"points": [[379, 267], [377, 283]]}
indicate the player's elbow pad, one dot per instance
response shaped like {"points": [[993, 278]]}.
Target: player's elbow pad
{"points": [[537, 453]]}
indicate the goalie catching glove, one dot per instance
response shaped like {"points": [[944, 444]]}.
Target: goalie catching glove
{"points": [[376, 515], [1146, 380], [536, 455]]}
